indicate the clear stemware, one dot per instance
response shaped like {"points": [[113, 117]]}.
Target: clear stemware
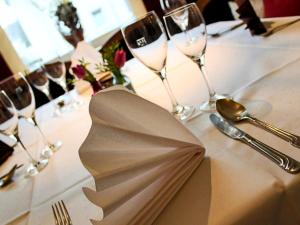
{"points": [[21, 95], [57, 73], [9, 127], [147, 40], [39, 79], [191, 40]]}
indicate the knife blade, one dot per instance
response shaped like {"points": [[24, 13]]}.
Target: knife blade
{"points": [[285, 162]]}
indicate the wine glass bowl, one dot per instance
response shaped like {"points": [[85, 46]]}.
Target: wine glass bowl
{"points": [[40, 81], [8, 116], [19, 91], [147, 41], [56, 72]]}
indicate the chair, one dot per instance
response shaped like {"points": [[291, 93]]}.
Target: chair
{"points": [[118, 37]]}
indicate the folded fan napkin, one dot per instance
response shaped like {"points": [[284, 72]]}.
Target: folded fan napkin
{"points": [[5, 152], [139, 156]]}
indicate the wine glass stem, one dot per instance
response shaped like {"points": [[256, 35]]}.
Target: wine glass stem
{"points": [[201, 63], [176, 108], [16, 136], [33, 121]]}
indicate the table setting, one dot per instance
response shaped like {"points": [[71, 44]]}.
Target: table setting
{"points": [[209, 134]]}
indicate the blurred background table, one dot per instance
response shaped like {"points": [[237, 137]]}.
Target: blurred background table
{"points": [[234, 185]]}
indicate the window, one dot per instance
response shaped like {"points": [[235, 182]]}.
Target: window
{"points": [[30, 25]]}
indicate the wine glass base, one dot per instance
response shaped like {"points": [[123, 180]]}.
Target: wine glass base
{"points": [[183, 113], [46, 152], [210, 106], [56, 146], [35, 168]]}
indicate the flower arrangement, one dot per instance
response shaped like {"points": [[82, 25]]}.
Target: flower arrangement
{"points": [[81, 72], [114, 59]]}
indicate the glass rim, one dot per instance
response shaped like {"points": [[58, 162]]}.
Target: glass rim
{"points": [[179, 9], [139, 18], [13, 76]]}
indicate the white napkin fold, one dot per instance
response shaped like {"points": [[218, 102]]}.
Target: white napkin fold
{"points": [[139, 156]]}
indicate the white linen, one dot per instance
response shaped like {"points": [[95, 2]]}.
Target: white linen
{"points": [[241, 186]]}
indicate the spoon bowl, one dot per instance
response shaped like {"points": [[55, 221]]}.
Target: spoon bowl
{"points": [[232, 110]]}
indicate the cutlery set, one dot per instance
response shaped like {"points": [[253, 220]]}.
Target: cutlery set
{"points": [[235, 112]]}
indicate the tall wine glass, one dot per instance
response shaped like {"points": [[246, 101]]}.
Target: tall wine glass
{"points": [[9, 127], [147, 40], [56, 72], [39, 79], [21, 95], [191, 41]]}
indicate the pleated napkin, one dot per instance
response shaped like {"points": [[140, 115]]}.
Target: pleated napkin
{"points": [[139, 156]]}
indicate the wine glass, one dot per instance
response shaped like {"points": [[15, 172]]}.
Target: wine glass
{"points": [[21, 95], [9, 127], [191, 41], [147, 40], [57, 73], [39, 79]]}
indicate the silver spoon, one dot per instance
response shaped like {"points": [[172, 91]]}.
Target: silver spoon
{"points": [[7, 178], [235, 112]]}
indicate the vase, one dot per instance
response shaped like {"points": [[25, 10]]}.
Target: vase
{"points": [[127, 82], [68, 23], [96, 85]]}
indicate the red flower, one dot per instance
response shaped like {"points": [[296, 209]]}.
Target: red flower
{"points": [[79, 71], [120, 58]]}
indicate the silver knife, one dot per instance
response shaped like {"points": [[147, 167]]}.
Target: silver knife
{"points": [[280, 27], [285, 162]]}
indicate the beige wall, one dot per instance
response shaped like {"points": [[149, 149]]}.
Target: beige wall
{"points": [[137, 7], [9, 54]]}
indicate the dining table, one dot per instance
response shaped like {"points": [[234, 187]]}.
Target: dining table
{"points": [[234, 185]]}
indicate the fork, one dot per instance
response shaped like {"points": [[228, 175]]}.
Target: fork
{"points": [[61, 214]]}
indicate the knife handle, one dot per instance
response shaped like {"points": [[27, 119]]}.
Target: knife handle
{"points": [[285, 162], [285, 135]]}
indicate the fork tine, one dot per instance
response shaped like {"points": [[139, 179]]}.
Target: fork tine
{"points": [[66, 212], [63, 214], [60, 220], [55, 216]]}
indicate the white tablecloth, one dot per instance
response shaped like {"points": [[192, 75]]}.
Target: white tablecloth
{"points": [[234, 185]]}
